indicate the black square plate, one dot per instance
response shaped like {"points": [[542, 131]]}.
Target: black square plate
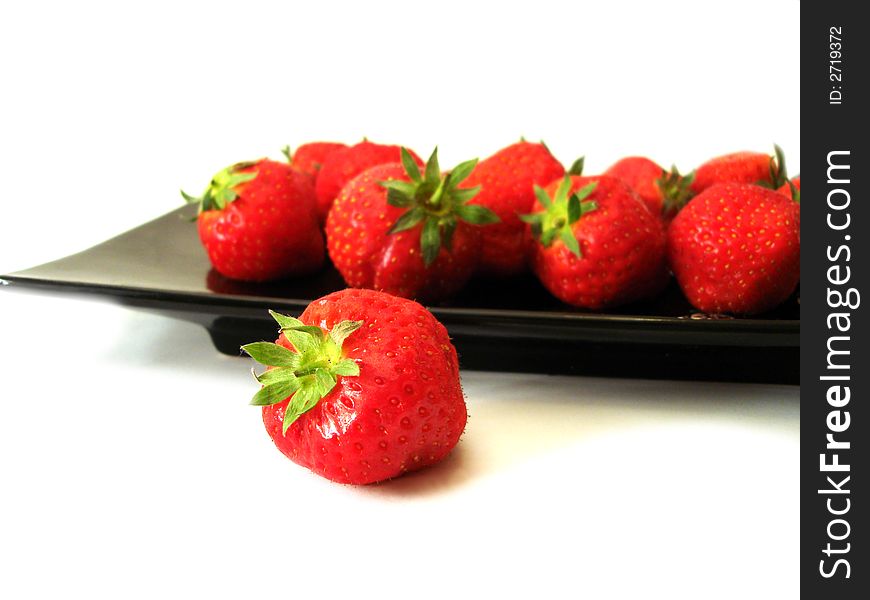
{"points": [[513, 325]]}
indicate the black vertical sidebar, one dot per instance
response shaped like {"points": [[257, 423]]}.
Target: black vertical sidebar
{"points": [[835, 365]]}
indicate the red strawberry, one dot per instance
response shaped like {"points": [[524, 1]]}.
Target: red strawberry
{"points": [[664, 192], [507, 180], [792, 188], [735, 248], [597, 244], [343, 165], [308, 158], [412, 235], [258, 222], [363, 387], [742, 167]]}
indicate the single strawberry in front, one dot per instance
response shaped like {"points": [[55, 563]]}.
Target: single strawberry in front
{"points": [[363, 387]]}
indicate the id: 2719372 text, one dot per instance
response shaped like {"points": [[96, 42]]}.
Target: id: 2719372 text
{"points": [[835, 64]]}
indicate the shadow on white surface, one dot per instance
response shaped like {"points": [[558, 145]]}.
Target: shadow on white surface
{"points": [[441, 478]]}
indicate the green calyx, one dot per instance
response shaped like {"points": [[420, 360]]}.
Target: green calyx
{"points": [[778, 171], [308, 374], [795, 192], [577, 167], [560, 213], [435, 202], [676, 190], [779, 174], [222, 189]]}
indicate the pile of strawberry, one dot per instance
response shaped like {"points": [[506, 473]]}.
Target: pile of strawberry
{"points": [[364, 385], [729, 231]]}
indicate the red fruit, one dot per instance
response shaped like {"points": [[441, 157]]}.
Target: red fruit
{"points": [[596, 243], [258, 222], [395, 230], [792, 188], [663, 192], [308, 158], [507, 180], [363, 387], [640, 174], [741, 167], [735, 248], [343, 165]]}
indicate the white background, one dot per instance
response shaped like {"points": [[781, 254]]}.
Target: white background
{"points": [[131, 465]]}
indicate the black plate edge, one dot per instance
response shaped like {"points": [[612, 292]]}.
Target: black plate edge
{"points": [[488, 323]]}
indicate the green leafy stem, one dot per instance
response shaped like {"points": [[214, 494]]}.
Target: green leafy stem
{"points": [[309, 373], [435, 201], [222, 188], [560, 213]]}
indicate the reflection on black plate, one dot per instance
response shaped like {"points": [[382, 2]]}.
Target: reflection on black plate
{"points": [[497, 325]]}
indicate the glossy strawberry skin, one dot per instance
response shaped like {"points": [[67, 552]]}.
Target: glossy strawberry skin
{"points": [[346, 163], [308, 158], [269, 231], [735, 248], [642, 175], [623, 250], [404, 411], [507, 180], [738, 167], [369, 257], [786, 188]]}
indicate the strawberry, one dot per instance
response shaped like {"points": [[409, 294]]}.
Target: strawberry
{"points": [[664, 192], [258, 222], [346, 163], [412, 235], [742, 167], [364, 386], [596, 243], [735, 248], [792, 188], [309, 157], [507, 180]]}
